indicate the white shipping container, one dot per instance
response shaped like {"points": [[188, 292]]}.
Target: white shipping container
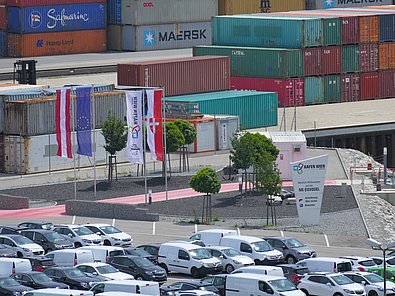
{"points": [[149, 12], [167, 36], [205, 136], [324, 4]]}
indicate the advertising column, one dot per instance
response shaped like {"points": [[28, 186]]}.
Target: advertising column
{"points": [[308, 178]]}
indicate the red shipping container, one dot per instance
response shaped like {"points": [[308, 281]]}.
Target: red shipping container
{"points": [[369, 57], [331, 60], [387, 56], [370, 86], [26, 3], [290, 91], [351, 87], [179, 76], [3, 18], [3, 2], [45, 44], [312, 61], [387, 84], [350, 29]]}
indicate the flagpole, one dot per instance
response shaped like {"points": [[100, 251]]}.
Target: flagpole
{"points": [[94, 141], [164, 140], [145, 148], [73, 142]]}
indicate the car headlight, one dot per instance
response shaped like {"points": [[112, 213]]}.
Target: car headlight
{"points": [[236, 262], [149, 272], [26, 250], [85, 285], [349, 291], [116, 239], [86, 241], [16, 293], [380, 288]]}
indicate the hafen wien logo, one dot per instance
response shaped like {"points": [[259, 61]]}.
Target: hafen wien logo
{"points": [[329, 3], [40, 43], [298, 168], [149, 38], [35, 19]]}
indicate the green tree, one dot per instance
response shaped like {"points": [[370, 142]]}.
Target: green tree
{"points": [[115, 137], [189, 133], [174, 140]]}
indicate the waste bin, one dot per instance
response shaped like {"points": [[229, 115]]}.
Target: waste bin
{"points": [[378, 186]]}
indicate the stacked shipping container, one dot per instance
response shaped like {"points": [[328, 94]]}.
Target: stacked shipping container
{"points": [[3, 30]]}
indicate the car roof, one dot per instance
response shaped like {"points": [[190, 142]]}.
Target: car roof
{"points": [[38, 230], [362, 273], [36, 222], [222, 275], [29, 272], [359, 258], [256, 276], [126, 256], [295, 266], [127, 282], [11, 235], [216, 231], [247, 238], [184, 245], [150, 245], [279, 237], [326, 273], [219, 248], [93, 264], [96, 224]]}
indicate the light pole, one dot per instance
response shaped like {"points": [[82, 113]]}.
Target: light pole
{"points": [[384, 248]]}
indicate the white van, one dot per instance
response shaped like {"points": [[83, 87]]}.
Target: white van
{"points": [[130, 286], [326, 264], [58, 292], [242, 284], [70, 257], [102, 253], [261, 269], [187, 258], [10, 266], [211, 237], [256, 248], [120, 294]]}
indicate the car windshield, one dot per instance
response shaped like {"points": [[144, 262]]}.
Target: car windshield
{"points": [[293, 243], [21, 240], [367, 263], [143, 262], [261, 246], [302, 270], [200, 254], [41, 278], [74, 273], [231, 252], [8, 282], [54, 237], [47, 226], [137, 251], [82, 231], [282, 285], [106, 269], [110, 229], [341, 280], [374, 278]]}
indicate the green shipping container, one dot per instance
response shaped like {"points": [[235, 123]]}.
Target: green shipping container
{"points": [[350, 59], [255, 109], [258, 62], [332, 89], [332, 31], [313, 90]]}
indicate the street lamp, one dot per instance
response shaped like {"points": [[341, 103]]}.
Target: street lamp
{"points": [[384, 248]]}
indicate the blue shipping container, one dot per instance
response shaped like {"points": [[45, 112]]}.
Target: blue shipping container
{"points": [[114, 12], [3, 44], [387, 28], [60, 18]]}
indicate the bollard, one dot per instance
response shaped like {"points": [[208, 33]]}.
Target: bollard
{"points": [[149, 196], [378, 187]]}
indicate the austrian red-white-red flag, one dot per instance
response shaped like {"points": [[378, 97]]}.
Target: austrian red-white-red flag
{"points": [[154, 122], [63, 130]]}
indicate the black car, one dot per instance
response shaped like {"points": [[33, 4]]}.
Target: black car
{"points": [[141, 253], [73, 277], [217, 280], [293, 272], [184, 286], [48, 239], [37, 280], [7, 251], [39, 263], [140, 268], [9, 230], [36, 225], [152, 249], [10, 287]]}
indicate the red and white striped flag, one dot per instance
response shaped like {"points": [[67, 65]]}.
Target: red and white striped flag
{"points": [[63, 130], [154, 121]]}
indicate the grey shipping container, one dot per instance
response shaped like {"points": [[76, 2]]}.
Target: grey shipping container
{"points": [[143, 12], [114, 37], [167, 36], [319, 4], [226, 126]]}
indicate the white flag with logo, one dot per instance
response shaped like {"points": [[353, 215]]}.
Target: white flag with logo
{"points": [[135, 121]]}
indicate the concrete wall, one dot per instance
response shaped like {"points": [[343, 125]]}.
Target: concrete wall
{"points": [[10, 202]]}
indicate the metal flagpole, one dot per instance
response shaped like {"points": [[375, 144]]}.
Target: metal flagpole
{"points": [[73, 141], [144, 144], [164, 140], [94, 140]]}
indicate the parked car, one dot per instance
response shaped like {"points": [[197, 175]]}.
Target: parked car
{"points": [[10, 287], [132, 287], [286, 194], [37, 280], [103, 253], [70, 257], [6, 251], [195, 293], [230, 258], [390, 272], [294, 272], [60, 292], [73, 277], [373, 283], [105, 270], [36, 225], [48, 239], [152, 249], [9, 266], [211, 237], [360, 263], [79, 235], [330, 284], [141, 253], [379, 260], [111, 235], [9, 230], [140, 268], [185, 286], [23, 246], [217, 280], [326, 264], [261, 269], [39, 263]]}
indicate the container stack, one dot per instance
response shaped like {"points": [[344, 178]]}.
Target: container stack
{"points": [[3, 28], [230, 7], [310, 57], [39, 27]]}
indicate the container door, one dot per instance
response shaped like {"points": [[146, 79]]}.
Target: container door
{"points": [[205, 137], [13, 154], [283, 165], [223, 143]]}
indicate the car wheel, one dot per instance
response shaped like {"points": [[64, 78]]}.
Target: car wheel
{"points": [[372, 293], [229, 268], [257, 262], [337, 294], [195, 272], [164, 267], [290, 259], [107, 243], [77, 245], [19, 255], [139, 278], [305, 291]]}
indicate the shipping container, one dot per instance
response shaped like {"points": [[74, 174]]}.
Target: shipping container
{"points": [[255, 109], [314, 90], [166, 36], [25, 3], [45, 44], [331, 60], [114, 16], [350, 59], [178, 76], [370, 86], [114, 37], [264, 31], [1, 153], [226, 127], [387, 56], [230, 7], [290, 91], [258, 62], [387, 27], [369, 57], [319, 4], [312, 61], [351, 87], [3, 44], [332, 89], [59, 18], [3, 18], [3, 2], [387, 84], [155, 12]]}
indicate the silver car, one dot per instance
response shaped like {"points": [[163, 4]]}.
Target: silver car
{"points": [[23, 246], [230, 258], [80, 235]]}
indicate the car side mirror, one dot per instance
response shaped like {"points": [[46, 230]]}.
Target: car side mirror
{"points": [[269, 291], [285, 248], [98, 233], [363, 283], [94, 273], [329, 284], [70, 235]]}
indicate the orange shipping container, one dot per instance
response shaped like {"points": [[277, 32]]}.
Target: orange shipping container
{"points": [[28, 45], [369, 29], [3, 2], [254, 6], [387, 56]]}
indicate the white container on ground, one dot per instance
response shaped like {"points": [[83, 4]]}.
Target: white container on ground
{"points": [[226, 127]]}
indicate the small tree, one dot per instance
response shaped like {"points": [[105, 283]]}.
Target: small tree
{"points": [[189, 133], [174, 139], [206, 181], [115, 137]]}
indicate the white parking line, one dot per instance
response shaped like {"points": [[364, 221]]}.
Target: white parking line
{"points": [[282, 233], [73, 221], [327, 241], [153, 228], [113, 222], [195, 228]]}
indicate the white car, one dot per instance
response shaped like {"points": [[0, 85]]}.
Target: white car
{"points": [[230, 258], [111, 235], [324, 283], [80, 235], [360, 263], [195, 293], [23, 246], [373, 283], [379, 260], [105, 270]]}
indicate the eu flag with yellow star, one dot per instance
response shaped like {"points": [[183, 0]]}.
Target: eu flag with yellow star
{"points": [[84, 121]]}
